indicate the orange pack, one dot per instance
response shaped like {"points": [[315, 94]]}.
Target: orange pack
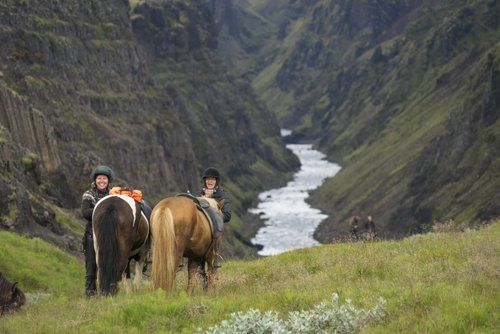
{"points": [[134, 193]]}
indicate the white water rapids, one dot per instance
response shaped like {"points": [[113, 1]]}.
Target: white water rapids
{"points": [[289, 221]]}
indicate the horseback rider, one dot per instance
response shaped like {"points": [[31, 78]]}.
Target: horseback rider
{"points": [[212, 189], [101, 177]]}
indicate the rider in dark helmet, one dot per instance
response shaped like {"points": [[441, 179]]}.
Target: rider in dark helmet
{"points": [[211, 188], [101, 176]]}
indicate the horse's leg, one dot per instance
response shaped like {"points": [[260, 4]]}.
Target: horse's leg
{"points": [[212, 262], [126, 278], [192, 271], [203, 274], [139, 266], [212, 271]]}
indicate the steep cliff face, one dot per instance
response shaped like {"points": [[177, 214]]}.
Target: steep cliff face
{"points": [[402, 94], [27, 151], [139, 89]]}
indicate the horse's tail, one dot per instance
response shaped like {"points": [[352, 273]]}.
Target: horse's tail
{"points": [[107, 249], [163, 248]]}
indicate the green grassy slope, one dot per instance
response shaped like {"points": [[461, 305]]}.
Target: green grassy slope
{"points": [[432, 283], [39, 266]]}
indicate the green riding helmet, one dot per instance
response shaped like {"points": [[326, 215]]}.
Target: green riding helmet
{"points": [[103, 170]]}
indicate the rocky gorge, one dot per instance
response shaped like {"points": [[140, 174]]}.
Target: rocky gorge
{"points": [[137, 86], [404, 95]]}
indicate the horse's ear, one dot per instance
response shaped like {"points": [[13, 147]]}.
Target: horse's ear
{"points": [[14, 287], [220, 204]]}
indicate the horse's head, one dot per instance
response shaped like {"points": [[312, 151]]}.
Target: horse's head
{"points": [[354, 220], [18, 298]]}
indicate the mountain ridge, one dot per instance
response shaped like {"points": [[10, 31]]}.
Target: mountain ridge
{"points": [[398, 93]]}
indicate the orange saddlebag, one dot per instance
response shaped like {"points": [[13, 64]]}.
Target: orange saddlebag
{"points": [[134, 193]]}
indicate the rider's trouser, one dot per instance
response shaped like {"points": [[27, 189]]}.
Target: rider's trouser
{"points": [[90, 262]]}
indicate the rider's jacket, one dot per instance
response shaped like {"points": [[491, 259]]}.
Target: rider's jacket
{"points": [[89, 200]]}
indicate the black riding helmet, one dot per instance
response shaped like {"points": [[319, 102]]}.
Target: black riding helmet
{"points": [[102, 170], [211, 172]]}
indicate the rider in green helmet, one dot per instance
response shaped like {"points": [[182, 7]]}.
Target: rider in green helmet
{"points": [[101, 176]]}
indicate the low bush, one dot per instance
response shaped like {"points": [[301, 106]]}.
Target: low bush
{"points": [[330, 317]]}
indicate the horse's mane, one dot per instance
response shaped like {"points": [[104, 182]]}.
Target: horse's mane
{"points": [[107, 243]]}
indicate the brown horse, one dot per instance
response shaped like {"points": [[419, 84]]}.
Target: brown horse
{"points": [[120, 233], [179, 229], [11, 297]]}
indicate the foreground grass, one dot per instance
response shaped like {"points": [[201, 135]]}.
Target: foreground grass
{"points": [[433, 283], [39, 266]]}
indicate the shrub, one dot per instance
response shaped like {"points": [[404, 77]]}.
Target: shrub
{"points": [[323, 318]]}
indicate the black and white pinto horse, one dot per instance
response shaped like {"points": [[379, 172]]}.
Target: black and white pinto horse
{"points": [[120, 232]]}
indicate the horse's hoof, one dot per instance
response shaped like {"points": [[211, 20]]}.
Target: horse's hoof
{"points": [[90, 293]]}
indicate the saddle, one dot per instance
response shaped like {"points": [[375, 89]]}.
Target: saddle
{"points": [[215, 219]]}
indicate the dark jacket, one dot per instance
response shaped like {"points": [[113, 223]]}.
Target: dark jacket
{"points": [[220, 195], [370, 226], [89, 200]]}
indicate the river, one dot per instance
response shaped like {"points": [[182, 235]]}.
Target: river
{"points": [[289, 221]]}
